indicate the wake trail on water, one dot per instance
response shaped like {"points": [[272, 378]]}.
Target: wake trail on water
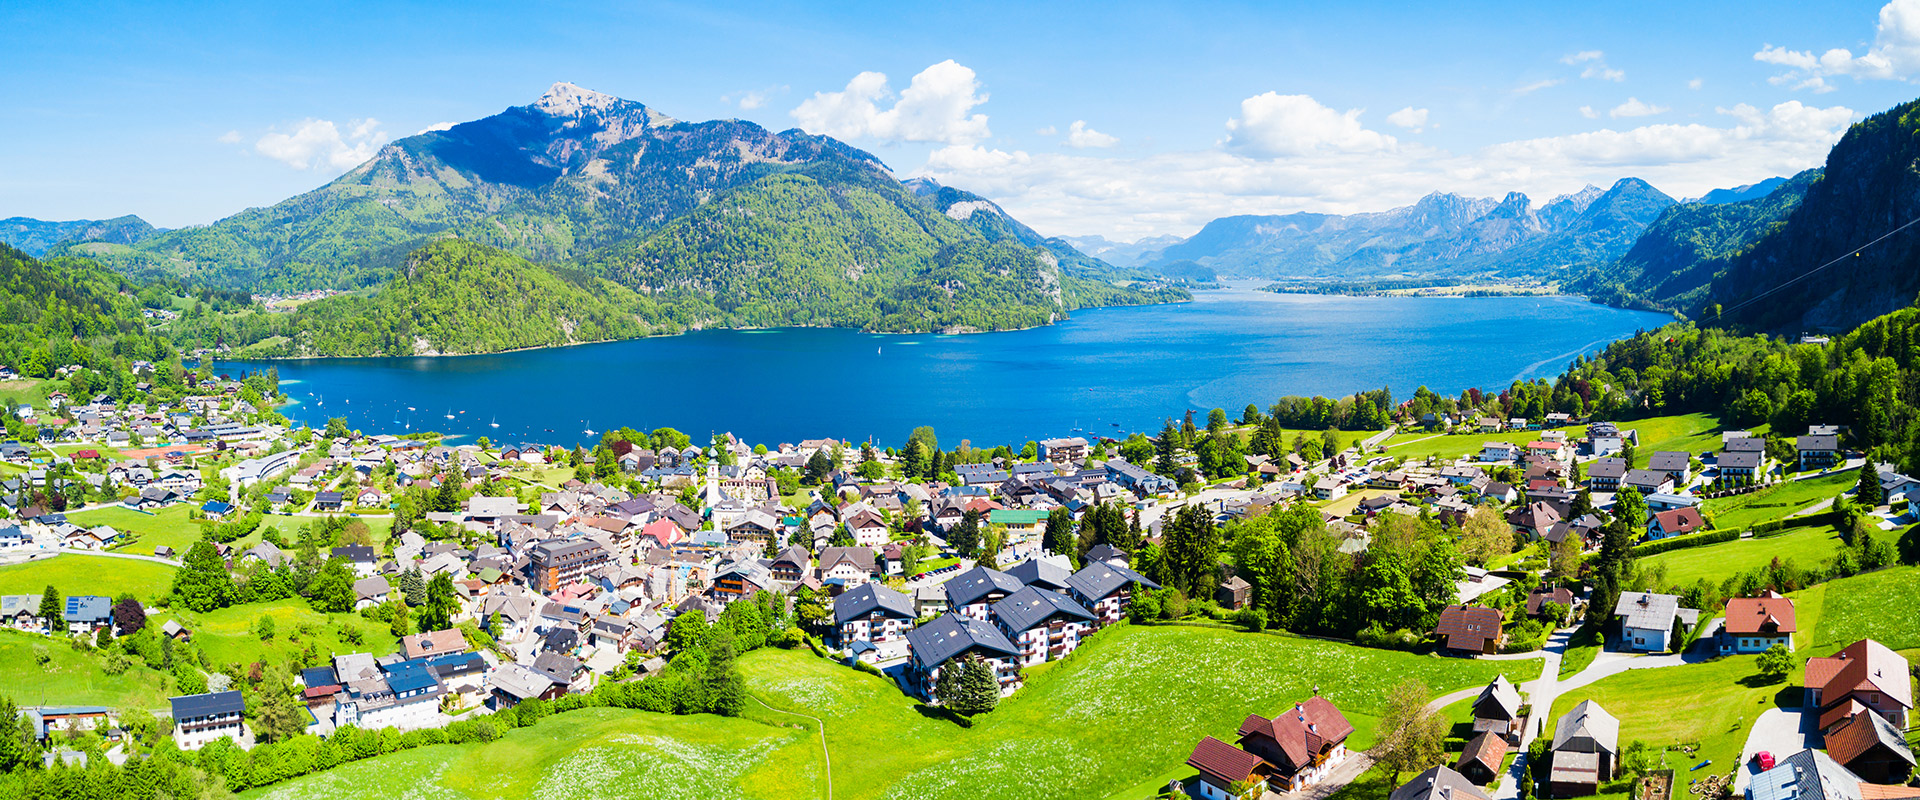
{"points": [[1521, 375]]}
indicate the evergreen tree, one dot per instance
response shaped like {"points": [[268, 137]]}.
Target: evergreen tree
{"points": [[413, 587], [1164, 449], [976, 689], [965, 537], [53, 611], [1058, 538], [202, 583], [441, 602], [726, 689], [1867, 491]]}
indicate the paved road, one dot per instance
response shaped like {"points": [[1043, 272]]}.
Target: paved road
{"points": [[1778, 731]]}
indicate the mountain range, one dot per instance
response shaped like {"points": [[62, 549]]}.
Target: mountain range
{"points": [[35, 237], [717, 223], [1441, 235]]}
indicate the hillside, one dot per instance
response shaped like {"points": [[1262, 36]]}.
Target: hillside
{"points": [[36, 236], [1751, 191], [1671, 265], [450, 297], [1870, 187], [719, 223], [69, 311], [1442, 235]]}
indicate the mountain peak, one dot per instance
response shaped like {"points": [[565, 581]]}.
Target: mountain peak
{"points": [[567, 100]]}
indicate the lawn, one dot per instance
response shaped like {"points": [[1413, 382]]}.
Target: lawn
{"points": [[1777, 501], [168, 526], [598, 753], [1581, 649], [1882, 605], [1418, 445], [1688, 433], [1117, 718], [80, 574], [72, 677], [1346, 504], [1721, 700], [227, 635], [1808, 546]]}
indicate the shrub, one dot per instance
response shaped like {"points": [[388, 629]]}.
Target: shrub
{"points": [[1252, 619]]}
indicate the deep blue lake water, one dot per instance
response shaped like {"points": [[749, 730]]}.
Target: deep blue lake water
{"points": [[1130, 366]]}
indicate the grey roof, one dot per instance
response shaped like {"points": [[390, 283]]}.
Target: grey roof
{"points": [[975, 584], [1669, 461], [1646, 477], [1502, 692], [1044, 574], [1647, 610], [1590, 720], [868, 598], [1609, 467], [1438, 783], [1746, 444], [1806, 775], [1826, 442], [201, 705], [1034, 606], [1740, 459], [952, 634], [1099, 579]]}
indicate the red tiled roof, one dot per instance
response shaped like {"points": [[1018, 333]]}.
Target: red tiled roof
{"points": [[1840, 713], [1747, 615], [1680, 520], [1468, 627], [1487, 749], [1851, 739], [1307, 728], [1865, 665], [1222, 762]]}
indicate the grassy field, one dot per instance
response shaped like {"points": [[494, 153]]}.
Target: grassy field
{"points": [[227, 635], [108, 453], [1351, 501], [1777, 501], [1807, 546], [72, 677], [1418, 445], [168, 526], [1721, 698], [1581, 650], [1882, 605], [1689, 433], [599, 753], [78, 574]]}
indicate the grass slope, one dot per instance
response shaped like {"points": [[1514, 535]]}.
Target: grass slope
{"points": [[227, 635], [1807, 546], [72, 677], [1882, 605], [168, 526], [1776, 501], [78, 574], [1712, 703]]}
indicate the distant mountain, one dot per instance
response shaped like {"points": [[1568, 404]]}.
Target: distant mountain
{"points": [[1671, 265], [35, 237], [718, 223], [1441, 235], [1802, 274], [1751, 191], [449, 297], [1123, 254]]}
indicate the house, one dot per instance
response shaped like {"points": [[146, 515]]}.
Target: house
{"points": [[1233, 593], [1071, 450], [1480, 761], [1301, 744], [1741, 464], [871, 613], [867, 528], [328, 501], [1675, 464], [973, 593], [1228, 772], [1865, 675], [791, 565], [1811, 775], [88, 613], [1470, 630], [1534, 521], [433, 643], [1106, 589], [370, 592], [1438, 783], [1555, 451], [1754, 624], [938, 644], [1648, 620], [511, 684], [1605, 474], [1497, 710], [202, 718], [1674, 522], [1499, 452], [360, 557], [1585, 751], [1136, 479], [1044, 625], [1647, 481], [1871, 747], [1817, 451]]}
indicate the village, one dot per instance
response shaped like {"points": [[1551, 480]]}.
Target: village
{"points": [[555, 570]]}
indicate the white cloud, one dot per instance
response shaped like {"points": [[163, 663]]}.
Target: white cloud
{"points": [[230, 137], [1130, 197], [318, 143], [934, 107], [438, 126], [750, 99], [1079, 135], [1635, 108], [1530, 88], [1895, 54], [1595, 63], [1047, 131], [1695, 83], [1589, 113], [1411, 118], [1274, 124]]}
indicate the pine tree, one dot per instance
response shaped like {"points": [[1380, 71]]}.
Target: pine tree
{"points": [[965, 537], [978, 690], [413, 587], [1058, 538], [726, 689], [53, 611], [1164, 447], [1867, 491]]}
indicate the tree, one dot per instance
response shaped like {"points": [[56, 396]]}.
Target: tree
{"points": [[202, 583], [413, 587], [278, 717], [726, 689], [336, 428], [1630, 508], [1866, 491], [1410, 738], [1564, 558], [397, 621], [263, 627], [1164, 448], [1485, 536], [331, 591], [129, 617], [819, 466], [965, 537], [1776, 663], [973, 689], [1910, 545], [1058, 538], [442, 601]]}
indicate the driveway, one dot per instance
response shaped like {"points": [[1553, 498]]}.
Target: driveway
{"points": [[1778, 731], [1345, 773]]}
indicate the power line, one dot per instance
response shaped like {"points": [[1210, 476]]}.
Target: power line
{"points": [[1809, 273]]}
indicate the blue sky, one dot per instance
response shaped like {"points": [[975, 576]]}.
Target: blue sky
{"points": [[186, 115]]}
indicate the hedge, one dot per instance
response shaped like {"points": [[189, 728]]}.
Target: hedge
{"points": [[1683, 542]]}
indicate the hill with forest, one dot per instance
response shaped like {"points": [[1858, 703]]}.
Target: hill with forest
{"points": [[718, 223], [71, 312], [36, 236], [1441, 235], [451, 297]]}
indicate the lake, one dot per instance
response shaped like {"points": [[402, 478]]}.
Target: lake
{"points": [[1104, 372]]}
